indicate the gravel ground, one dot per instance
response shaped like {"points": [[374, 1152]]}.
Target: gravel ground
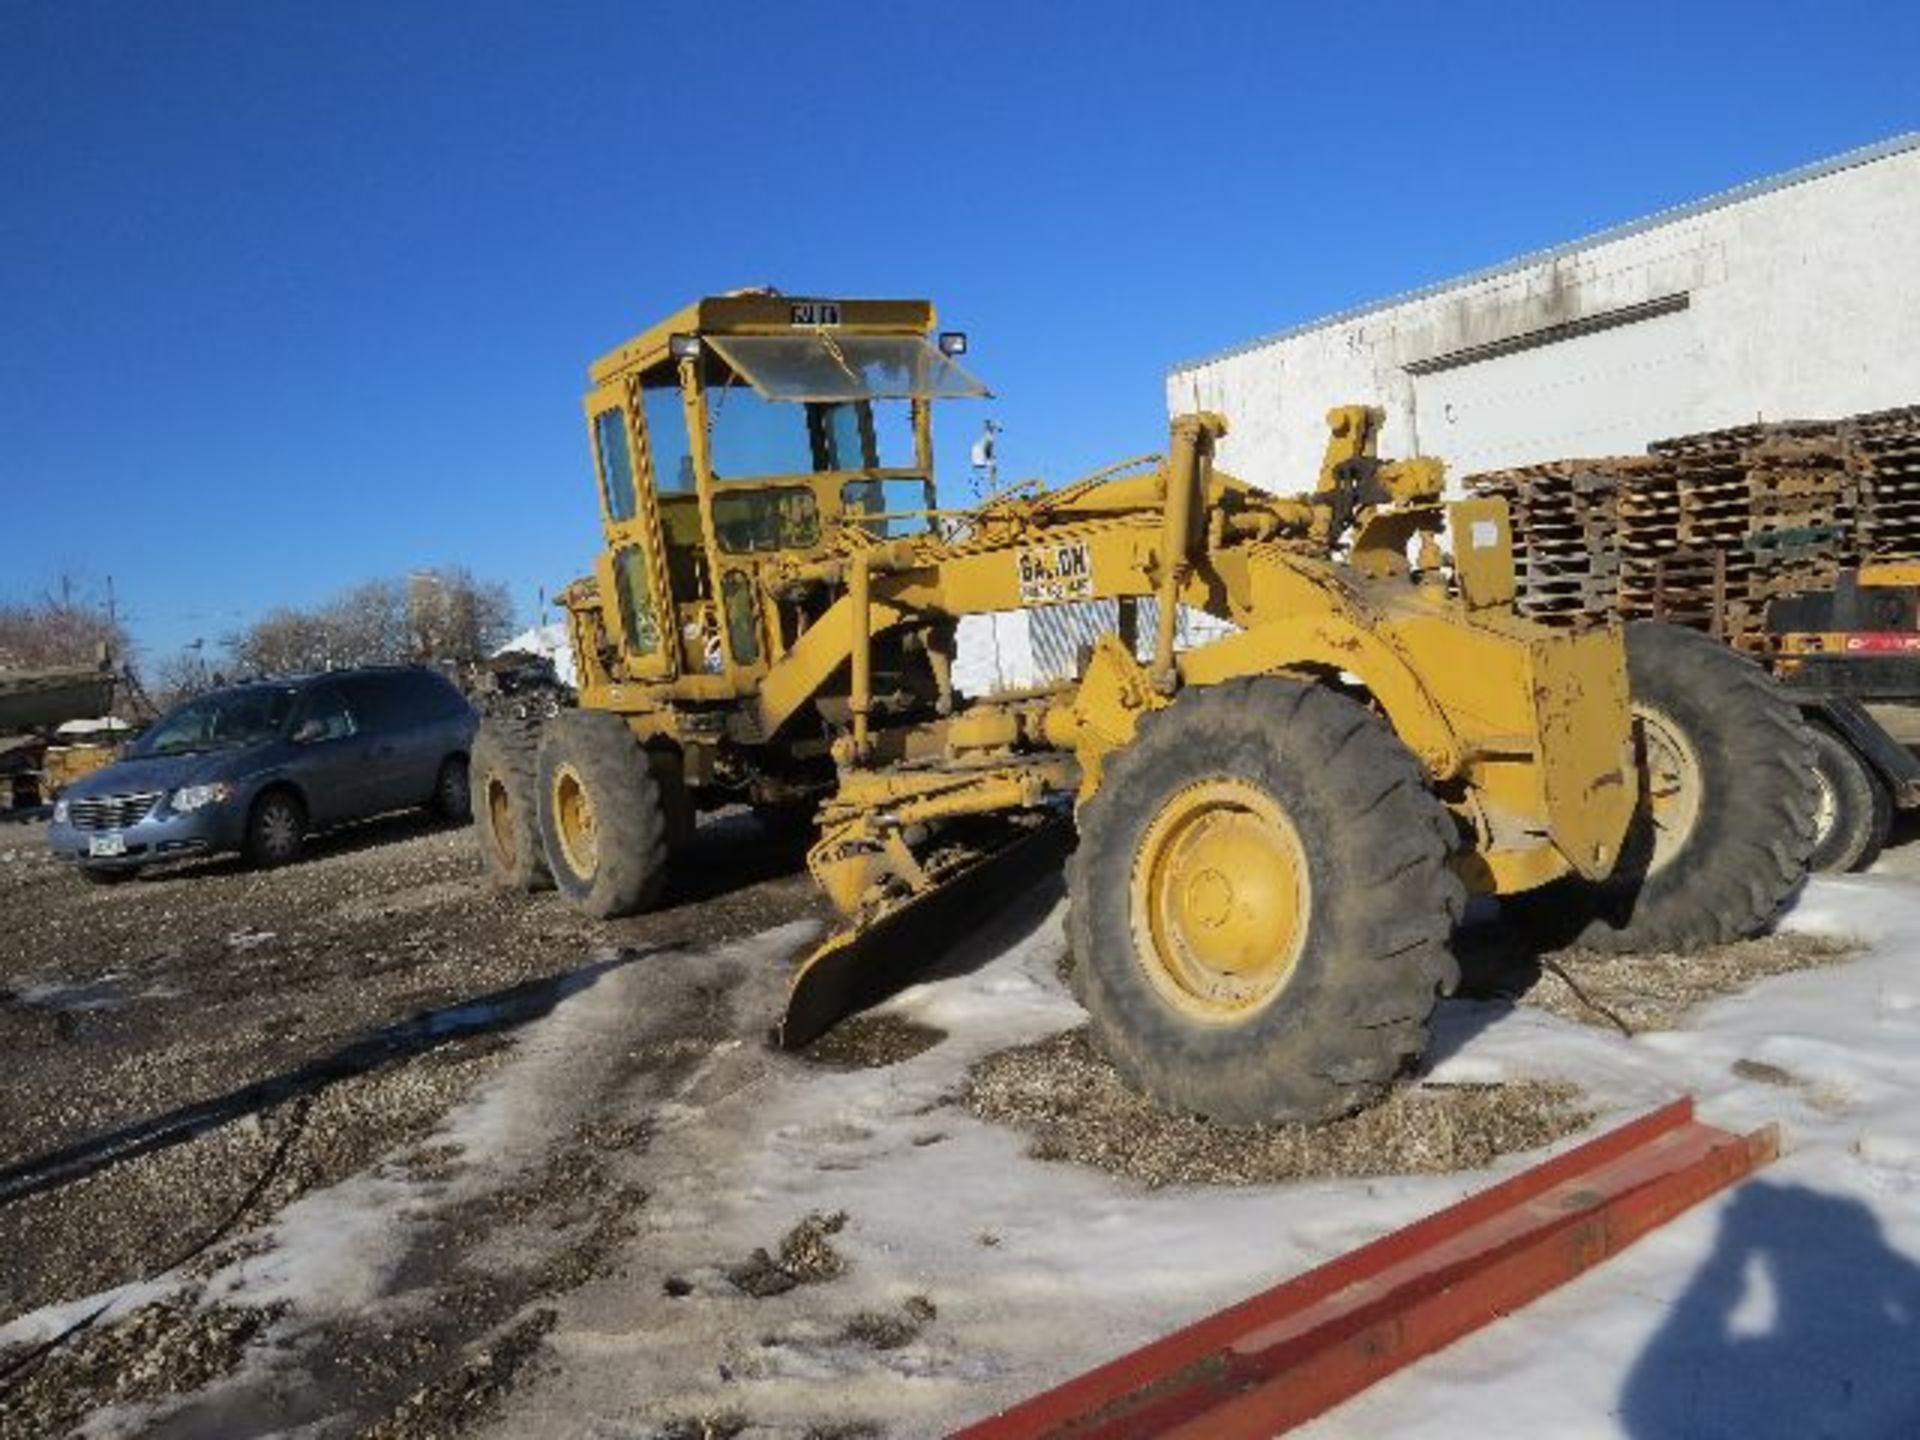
{"points": [[1630, 993], [291, 1028], [1070, 1099]]}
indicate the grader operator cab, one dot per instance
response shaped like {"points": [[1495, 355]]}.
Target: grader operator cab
{"points": [[1277, 830]]}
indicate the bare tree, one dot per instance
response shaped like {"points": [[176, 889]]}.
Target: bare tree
{"points": [[65, 625], [452, 616], [284, 642], [434, 615], [184, 675], [369, 623]]}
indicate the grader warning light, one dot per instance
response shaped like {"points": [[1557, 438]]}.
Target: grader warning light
{"points": [[1277, 830]]}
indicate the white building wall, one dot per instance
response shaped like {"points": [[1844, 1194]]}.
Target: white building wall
{"points": [[1786, 299]]}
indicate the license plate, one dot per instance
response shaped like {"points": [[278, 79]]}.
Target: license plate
{"points": [[101, 845]]}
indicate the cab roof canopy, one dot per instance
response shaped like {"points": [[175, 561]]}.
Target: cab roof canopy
{"points": [[763, 312]]}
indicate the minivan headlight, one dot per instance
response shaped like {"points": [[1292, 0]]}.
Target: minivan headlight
{"points": [[60, 812], [193, 797]]}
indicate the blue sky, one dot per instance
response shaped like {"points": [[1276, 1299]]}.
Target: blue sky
{"points": [[295, 295]]}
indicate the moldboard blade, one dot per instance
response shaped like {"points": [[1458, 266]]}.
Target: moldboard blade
{"points": [[858, 967]]}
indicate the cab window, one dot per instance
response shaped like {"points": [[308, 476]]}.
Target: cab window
{"points": [[635, 599], [616, 463], [783, 518], [889, 508], [667, 436], [736, 598], [753, 437]]}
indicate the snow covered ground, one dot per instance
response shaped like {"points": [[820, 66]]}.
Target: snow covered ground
{"points": [[1787, 1307]]}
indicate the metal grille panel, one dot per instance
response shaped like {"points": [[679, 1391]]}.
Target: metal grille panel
{"points": [[112, 812]]}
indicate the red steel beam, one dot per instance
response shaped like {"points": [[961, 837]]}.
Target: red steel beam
{"points": [[1284, 1356]]}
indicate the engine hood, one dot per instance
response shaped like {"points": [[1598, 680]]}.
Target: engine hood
{"points": [[140, 773]]}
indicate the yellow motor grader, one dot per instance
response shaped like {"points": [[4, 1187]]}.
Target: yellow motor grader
{"points": [[1276, 830]]}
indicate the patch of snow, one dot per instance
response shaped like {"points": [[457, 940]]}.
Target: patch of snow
{"points": [[334, 1250], [552, 640], [36, 1327], [1037, 1269], [1790, 1305], [102, 725]]}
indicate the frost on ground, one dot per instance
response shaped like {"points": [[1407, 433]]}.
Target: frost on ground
{"points": [[1070, 1099]]}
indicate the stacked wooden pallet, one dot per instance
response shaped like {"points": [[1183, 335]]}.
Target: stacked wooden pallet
{"points": [[1802, 512], [1763, 516], [1565, 520], [1885, 454], [1707, 529]]}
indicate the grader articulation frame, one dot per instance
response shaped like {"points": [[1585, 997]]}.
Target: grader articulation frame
{"points": [[1277, 829]]}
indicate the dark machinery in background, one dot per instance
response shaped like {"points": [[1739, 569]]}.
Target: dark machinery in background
{"points": [[1796, 543]]}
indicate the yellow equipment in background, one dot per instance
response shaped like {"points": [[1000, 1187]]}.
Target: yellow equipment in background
{"points": [[1277, 829]]}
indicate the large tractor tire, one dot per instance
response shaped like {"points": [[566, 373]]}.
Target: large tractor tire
{"points": [[1725, 827], [1853, 813], [506, 821], [603, 823], [1261, 904]]}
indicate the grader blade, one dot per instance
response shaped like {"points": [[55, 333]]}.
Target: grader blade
{"points": [[864, 964]]}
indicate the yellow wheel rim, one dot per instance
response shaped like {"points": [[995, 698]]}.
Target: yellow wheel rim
{"points": [[1220, 898], [1671, 774], [573, 821], [500, 823]]}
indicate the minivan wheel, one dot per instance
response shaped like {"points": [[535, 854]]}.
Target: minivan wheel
{"points": [[453, 791], [275, 829]]}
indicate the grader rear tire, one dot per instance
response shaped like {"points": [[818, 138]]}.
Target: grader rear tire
{"points": [[603, 823], [505, 823], [1261, 903], [1854, 813], [1726, 822]]}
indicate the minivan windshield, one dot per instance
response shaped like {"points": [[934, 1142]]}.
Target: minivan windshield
{"points": [[225, 721]]}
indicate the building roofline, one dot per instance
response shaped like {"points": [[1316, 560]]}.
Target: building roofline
{"points": [[1752, 189]]}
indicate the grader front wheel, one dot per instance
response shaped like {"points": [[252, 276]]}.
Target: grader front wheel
{"points": [[603, 826], [1260, 904]]}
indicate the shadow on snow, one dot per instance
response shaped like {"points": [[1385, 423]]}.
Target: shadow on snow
{"points": [[1802, 1322]]}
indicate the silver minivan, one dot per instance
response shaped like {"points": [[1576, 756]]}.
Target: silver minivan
{"points": [[257, 768]]}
